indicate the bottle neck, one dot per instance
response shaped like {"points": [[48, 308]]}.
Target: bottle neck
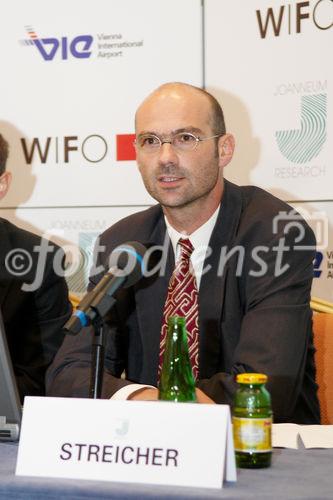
{"points": [[176, 345], [177, 381]]}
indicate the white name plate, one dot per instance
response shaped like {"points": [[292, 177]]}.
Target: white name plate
{"points": [[129, 441]]}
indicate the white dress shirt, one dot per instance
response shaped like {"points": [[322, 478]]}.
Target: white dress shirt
{"points": [[199, 239]]}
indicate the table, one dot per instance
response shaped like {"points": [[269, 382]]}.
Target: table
{"points": [[306, 474]]}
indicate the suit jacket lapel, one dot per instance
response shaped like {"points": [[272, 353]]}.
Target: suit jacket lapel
{"points": [[150, 296], [212, 287]]}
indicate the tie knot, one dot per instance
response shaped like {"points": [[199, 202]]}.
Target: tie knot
{"points": [[186, 246]]}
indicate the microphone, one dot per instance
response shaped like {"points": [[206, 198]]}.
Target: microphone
{"points": [[126, 267]]}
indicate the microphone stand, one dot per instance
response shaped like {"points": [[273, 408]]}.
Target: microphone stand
{"points": [[101, 305], [97, 361]]}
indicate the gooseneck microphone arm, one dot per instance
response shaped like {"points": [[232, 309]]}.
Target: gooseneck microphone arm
{"points": [[97, 303]]}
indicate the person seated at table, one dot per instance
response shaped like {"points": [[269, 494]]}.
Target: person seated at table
{"points": [[33, 297], [247, 303]]}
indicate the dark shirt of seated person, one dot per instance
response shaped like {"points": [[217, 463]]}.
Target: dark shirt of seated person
{"points": [[253, 288], [33, 297]]}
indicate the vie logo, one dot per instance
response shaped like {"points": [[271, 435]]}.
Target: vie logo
{"points": [[290, 18], [317, 265], [305, 143], [63, 47]]}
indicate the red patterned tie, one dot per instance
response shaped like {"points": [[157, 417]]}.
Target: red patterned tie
{"points": [[182, 300]]}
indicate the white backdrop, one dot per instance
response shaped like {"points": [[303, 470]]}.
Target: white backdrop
{"points": [[269, 64], [75, 107], [74, 72], [276, 91]]}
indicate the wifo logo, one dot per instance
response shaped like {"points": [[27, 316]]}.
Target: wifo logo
{"points": [[289, 19], [305, 143], [72, 148], [77, 47]]}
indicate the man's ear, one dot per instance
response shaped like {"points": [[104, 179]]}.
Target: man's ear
{"points": [[5, 179], [226, 147]]}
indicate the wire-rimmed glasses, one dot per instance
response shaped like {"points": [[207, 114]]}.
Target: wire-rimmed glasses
{"points": [[182, 142]]}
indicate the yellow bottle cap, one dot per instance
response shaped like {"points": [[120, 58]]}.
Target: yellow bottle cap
{"points": [[251, 378]]}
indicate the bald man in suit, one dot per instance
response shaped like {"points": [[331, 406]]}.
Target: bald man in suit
{"points": [[253, 286]]}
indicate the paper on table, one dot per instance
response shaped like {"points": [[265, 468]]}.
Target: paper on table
{"points": [[316, 436], [285, 435], [313, 436]]}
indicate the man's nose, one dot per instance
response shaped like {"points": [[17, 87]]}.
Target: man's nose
{"points": [[167, 153]]}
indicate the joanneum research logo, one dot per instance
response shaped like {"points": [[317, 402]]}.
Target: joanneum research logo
{"points": [[303, 144]]}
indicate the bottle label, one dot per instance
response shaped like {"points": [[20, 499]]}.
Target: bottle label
{"points": [[252, 434]]}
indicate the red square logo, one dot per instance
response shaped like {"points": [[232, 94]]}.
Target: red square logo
{"points": [[125, 147]]}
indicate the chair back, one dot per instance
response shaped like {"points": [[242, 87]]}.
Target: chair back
{"points": [[323, 341]]}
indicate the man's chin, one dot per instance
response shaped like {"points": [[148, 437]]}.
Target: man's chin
{"points": [[173, 203], [171, 198]]}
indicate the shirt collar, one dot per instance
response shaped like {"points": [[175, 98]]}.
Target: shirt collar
{"points": [[199, 238]]}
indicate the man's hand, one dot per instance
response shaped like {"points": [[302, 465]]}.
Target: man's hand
{"points": [[145, 394], [203, 398]]}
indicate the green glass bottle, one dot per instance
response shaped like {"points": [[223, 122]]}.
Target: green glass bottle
{"points": [[176, 381], [252, 421]]}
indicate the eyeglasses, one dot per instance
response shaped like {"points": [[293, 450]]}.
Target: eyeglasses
{"points": [[183, 141]]}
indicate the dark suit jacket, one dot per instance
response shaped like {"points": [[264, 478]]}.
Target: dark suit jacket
{"points": [[33, 320], [248, 323]]}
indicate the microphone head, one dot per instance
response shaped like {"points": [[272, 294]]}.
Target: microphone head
{"points": [[127, 260]]}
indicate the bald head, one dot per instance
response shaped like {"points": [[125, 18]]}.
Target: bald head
{"points": [[182, 95]]}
